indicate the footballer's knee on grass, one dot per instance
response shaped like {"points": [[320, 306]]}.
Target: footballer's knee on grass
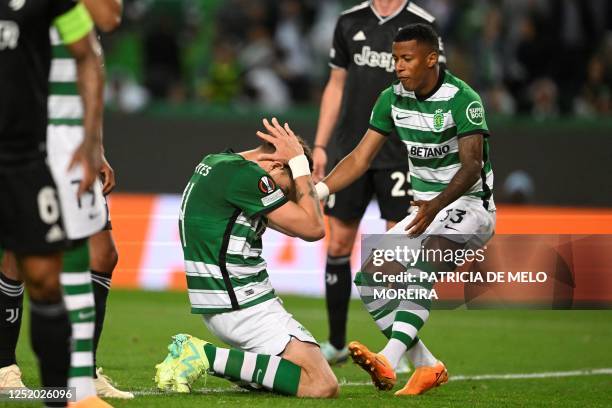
{"points": [[103, 253], [41, 274], [9, 266], [341, 236], [317, 379]]}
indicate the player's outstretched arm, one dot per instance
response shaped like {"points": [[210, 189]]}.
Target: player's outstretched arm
{"points": [[106, 14], [90, 72], [328, 116], [352, 166], [302, 218]]}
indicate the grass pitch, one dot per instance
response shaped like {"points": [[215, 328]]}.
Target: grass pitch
{"points": [[139, 325]]}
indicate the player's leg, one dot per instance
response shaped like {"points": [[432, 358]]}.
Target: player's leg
{"points": [[78, 298], [301, 370], [399, 320], [270, 349], [403, 319], [32, 228], [295, 365], [344, 210], [104, 258], [394, 193], [11, 309], [338, 282], [83, 216], [317, 379]]}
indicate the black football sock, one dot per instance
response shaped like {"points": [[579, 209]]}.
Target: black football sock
{"points": [[11, 308], [101, 286], [50, 336], [338, 295]]}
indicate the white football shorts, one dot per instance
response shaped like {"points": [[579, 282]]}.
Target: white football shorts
{"points": [[265, 328], [83, 216]]}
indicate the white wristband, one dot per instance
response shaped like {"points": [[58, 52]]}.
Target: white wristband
{"points": [[322, 190], [299, 166]]}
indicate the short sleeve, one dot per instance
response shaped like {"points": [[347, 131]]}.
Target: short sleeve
{"points": [[339, 55], [381, 120], [469, 114], [254, 191], [73, 23]]}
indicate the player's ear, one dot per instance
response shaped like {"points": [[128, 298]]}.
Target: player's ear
{"points": [[432, 59], [276, 165]]}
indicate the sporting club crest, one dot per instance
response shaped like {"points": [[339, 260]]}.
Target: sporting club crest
{"points": [[438, 120]]}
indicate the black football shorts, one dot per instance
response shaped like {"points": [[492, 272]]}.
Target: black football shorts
{"points": [[391, 187], [30, 214]]}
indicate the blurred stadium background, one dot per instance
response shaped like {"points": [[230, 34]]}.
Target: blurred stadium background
{"points": [[191, 77]]}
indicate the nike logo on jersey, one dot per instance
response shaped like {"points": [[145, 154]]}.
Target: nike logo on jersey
{"points": [[85, 316], [360, 36], [94, 215], [398, 117], [447, 227]]}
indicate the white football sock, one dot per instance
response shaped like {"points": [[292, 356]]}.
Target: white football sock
{"points": [[394, 351], [420, 356]]}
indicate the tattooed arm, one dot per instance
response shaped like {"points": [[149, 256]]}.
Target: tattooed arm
{"points": [[302, 218]]}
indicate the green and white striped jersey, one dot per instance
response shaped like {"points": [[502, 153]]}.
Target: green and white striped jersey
{"points": [[431, 127], [65, 106], [222, 219]]}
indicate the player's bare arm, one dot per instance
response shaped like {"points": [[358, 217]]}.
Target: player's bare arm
{"points": [[303, 218], [353, 166], [470, 155], [330, 110], [106, 14], [88, 56]]}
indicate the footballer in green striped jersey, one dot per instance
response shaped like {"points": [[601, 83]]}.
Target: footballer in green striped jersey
{"points": [[431, 127], [442, 122], [226, 206]]}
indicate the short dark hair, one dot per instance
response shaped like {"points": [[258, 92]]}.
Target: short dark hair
{"points": [[307, 151], [422, 33]]}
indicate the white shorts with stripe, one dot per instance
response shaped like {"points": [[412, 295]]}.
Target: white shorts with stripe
{"points": [[84, 216], [265, 328], [464, 221]]}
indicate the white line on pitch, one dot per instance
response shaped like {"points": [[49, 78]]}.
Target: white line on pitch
{"points": [[517, 376]]}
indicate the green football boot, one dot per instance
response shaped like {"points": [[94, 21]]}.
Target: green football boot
{"points": [[184, 364]]}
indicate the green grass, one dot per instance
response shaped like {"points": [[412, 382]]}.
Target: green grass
{"points": [[139, 326]]}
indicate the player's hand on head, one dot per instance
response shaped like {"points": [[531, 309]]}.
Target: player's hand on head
{"points": [[319, 159], [89, 156], [108, 177], [427, 211], [283, 139]]}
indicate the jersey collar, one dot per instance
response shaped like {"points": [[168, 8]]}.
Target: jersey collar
{"points": [[382, 20], [436, 88]]}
